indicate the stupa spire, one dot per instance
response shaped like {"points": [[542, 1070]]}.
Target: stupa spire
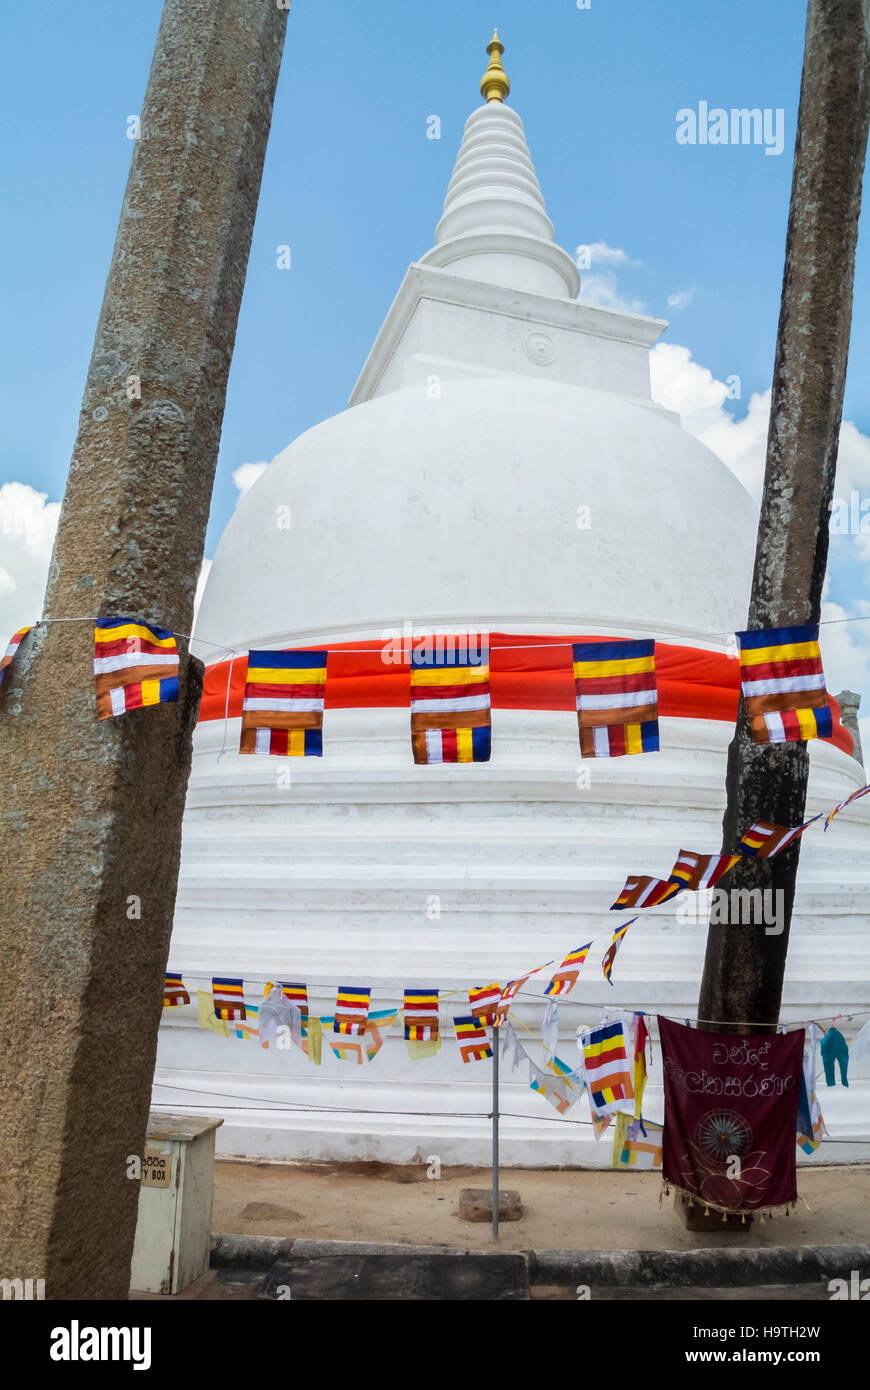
{"points": [[495, 84], [495, 225]]}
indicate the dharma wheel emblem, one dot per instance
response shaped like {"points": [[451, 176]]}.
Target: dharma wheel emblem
{"points": [[540, 348]]}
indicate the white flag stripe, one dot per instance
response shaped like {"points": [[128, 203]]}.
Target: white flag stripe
{"points": [[105, 665], [263, 740], [458, 706], [313, 706], [434, 748], [116, 696], [617, 701], [783, 684]]}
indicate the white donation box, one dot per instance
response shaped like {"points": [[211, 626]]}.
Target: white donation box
{"points": [[173, 1232]]}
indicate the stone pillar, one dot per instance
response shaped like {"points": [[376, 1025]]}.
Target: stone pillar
{"points": [[850, 703], [91, 810]]}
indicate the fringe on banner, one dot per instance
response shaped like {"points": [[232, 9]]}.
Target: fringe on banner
{"points": [[694, 1200]]}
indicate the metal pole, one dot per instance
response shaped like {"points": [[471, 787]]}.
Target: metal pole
{"points": [[495, 1049]]}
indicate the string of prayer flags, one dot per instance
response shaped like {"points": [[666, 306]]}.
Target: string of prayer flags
{"points": [[471, 1037], [641, 890], [14, 643], [134, 665], [617, 700], [229, 998], [565, 977], [484, 1000], [783, 684], [282, 710], [421, 1015], [605, 1068], [693, 871], [763, 840], [174, 993], [610, 953], [352, 1008], [450, 705], [862, 791]]}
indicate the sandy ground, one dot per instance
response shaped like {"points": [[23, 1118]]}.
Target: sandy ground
{"points": [[564, 1209]]}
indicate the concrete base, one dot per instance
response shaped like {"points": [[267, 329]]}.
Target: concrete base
{"points": [[475, 1204]]}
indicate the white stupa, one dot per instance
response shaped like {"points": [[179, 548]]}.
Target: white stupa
{"points": [[493, 406]]}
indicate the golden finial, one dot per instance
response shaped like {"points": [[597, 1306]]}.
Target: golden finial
{"points": [[494, 85]]}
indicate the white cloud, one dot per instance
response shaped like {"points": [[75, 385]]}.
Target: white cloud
{"points": [[683, 385], [602, 254], [28, 522], [681, 299], [598, 285], [246, 475]]}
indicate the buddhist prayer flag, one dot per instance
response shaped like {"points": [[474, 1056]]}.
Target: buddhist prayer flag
{"points": [[610, 953], [421, 1015], [617, 702], [862, 791], [352, 1008], [641, 1037], [471, 1037], [642, 1145], [693, 871], [642, 891], [134, 665], [783, 684], [174, 993], [297, 993], [247, 1029], [561, 1090], [450, 705], [764, 840], [565, 977], [282, 712], [484, 1000], [14, 643], [229, 998], [606, 1070], [510, 992]]}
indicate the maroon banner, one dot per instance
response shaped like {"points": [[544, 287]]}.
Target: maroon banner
{"points": [[731, 1106]]}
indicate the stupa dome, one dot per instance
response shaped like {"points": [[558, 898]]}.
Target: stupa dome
{"points": [[504, 500]]}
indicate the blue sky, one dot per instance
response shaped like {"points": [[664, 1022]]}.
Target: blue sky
{"points": [[354, 187]]}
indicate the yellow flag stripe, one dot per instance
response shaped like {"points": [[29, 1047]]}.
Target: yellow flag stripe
{"points": [[454, 675], [635, 667], [115, 634], [762, 656], [268, 675]]}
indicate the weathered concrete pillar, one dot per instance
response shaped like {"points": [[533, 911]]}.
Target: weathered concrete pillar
{"points": [[744, 966], [850, 703], [91, 811]]}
